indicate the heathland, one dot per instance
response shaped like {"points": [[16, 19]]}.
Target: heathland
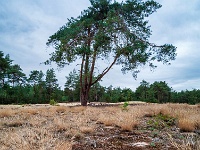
{"points": [[100, 126]]}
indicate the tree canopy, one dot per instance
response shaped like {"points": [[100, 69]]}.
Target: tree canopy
{"points": [[118, 32]]}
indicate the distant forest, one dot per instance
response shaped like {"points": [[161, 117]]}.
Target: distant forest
{"points": [[39, 87]]}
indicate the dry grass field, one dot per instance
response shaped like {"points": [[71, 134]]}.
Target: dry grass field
{"points": [[139, 126]]}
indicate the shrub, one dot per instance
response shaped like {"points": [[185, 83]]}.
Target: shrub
{"points": [[125, 105], [53, 102]]}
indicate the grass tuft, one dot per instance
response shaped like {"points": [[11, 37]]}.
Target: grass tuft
{"points": [[6, 113], [61, 109], [186, 125], [86, 130]]}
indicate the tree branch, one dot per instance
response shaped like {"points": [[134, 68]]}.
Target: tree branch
{"points": [[105, 71], [92, 67], [81, 74]]}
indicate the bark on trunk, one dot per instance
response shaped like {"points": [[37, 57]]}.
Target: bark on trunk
{"points": [[85, 85], [84, 98]]}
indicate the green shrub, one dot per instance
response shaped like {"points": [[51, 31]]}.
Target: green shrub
{"points": [[53, 102], [125, 105]]}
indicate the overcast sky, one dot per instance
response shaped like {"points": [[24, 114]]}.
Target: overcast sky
{"points": [[25, 26]]}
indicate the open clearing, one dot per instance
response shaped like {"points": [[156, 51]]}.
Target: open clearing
{"points": [[100, 126]]}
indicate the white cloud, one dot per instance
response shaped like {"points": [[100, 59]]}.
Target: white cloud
{"points": [[26, 25]]}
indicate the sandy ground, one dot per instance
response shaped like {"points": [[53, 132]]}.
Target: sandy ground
{"points": [[72, 104]]}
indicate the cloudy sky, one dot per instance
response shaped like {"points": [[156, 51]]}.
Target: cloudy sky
{"points": [[25, 26]]}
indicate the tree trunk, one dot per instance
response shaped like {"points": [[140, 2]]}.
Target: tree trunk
{"points": [[85, 86], [84, 97]]}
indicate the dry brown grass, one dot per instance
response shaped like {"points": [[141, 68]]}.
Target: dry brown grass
{"points": [[115, 116], [6, 112], [54, 127], [92, 113], [61, 109], [187, 115], [30, 139], [77, 109], [63, 146], [107, 120], [186, 125], [30, 110], [126, 121], [86, 129], [60, 124], [36, 121]]}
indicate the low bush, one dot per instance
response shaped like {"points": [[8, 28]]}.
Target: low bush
{"points": [[53, 102]]}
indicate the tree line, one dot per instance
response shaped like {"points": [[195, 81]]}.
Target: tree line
{"points": [[39, 87], [16, 87]]}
